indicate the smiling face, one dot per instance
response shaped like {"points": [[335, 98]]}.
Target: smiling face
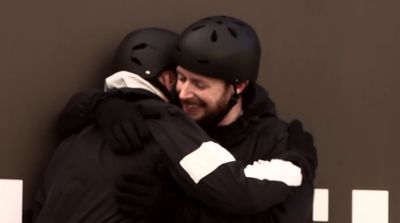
{"points": [[202, 98]]}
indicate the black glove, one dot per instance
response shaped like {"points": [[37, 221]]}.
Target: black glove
{"points": [[78, 112], [301, 150], [122, 125], [144, 196]]}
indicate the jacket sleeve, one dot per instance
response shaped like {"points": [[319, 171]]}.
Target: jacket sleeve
{"points": [[207, 171], [182, 208], [79, 112]]}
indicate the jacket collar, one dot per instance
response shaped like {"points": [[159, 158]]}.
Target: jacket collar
{"points": [[256, 106], [125, 79]]}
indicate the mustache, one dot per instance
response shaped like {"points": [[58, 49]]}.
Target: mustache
{"points": [[192, 101]]}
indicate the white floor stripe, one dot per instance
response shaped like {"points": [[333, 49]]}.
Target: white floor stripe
{"points": [[10, 201], [321, 205], [370, 206]]}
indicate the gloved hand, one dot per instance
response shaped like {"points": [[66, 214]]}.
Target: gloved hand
{"points": [[122, 125], [78, 113], [301, 150], [143, 196]]}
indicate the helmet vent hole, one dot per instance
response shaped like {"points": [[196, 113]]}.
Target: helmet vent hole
{"points": [[139, 46], [214, 36], [239, 23], [219, 22], [203, 61], [198, 27], [136, 61], [232, 32]]}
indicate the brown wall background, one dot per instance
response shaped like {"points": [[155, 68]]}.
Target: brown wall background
{"points": [[332, 64]]}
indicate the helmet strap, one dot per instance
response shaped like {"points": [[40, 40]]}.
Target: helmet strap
{"points": [[234, 98]]}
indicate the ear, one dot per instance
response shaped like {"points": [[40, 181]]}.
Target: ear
{"points": [[241, 86], [168, 79]]}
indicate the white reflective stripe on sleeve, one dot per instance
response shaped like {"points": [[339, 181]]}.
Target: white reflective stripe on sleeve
{"points": [[275, 170], [205, 160]]}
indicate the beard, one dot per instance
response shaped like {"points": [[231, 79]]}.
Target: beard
{"points": [[212, 115]]}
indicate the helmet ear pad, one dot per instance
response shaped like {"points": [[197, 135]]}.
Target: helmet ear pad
{"points": [[221, 47]]}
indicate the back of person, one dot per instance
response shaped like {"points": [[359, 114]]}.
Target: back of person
{"points": [[80, 182]]}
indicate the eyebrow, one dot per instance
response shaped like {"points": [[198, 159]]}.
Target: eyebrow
{"points": [[198, 81], [192, 79]]}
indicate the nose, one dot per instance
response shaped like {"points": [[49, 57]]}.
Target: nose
{"points": [[185, 91]]}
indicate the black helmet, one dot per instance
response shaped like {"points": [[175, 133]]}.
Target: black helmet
{"points": [[146, 52], [222, 47]]}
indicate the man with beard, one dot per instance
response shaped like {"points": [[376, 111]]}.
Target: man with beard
{"points": [[218, 61]]}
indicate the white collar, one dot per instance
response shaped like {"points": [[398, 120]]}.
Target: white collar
{"points": [[127, 79]]}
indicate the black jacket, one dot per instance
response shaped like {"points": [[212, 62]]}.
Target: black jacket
{"points": [[79, 185], [227, 194], [224, 194]]}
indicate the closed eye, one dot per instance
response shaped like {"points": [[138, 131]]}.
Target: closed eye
{"points": [[181, 78], [200, 85]]}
